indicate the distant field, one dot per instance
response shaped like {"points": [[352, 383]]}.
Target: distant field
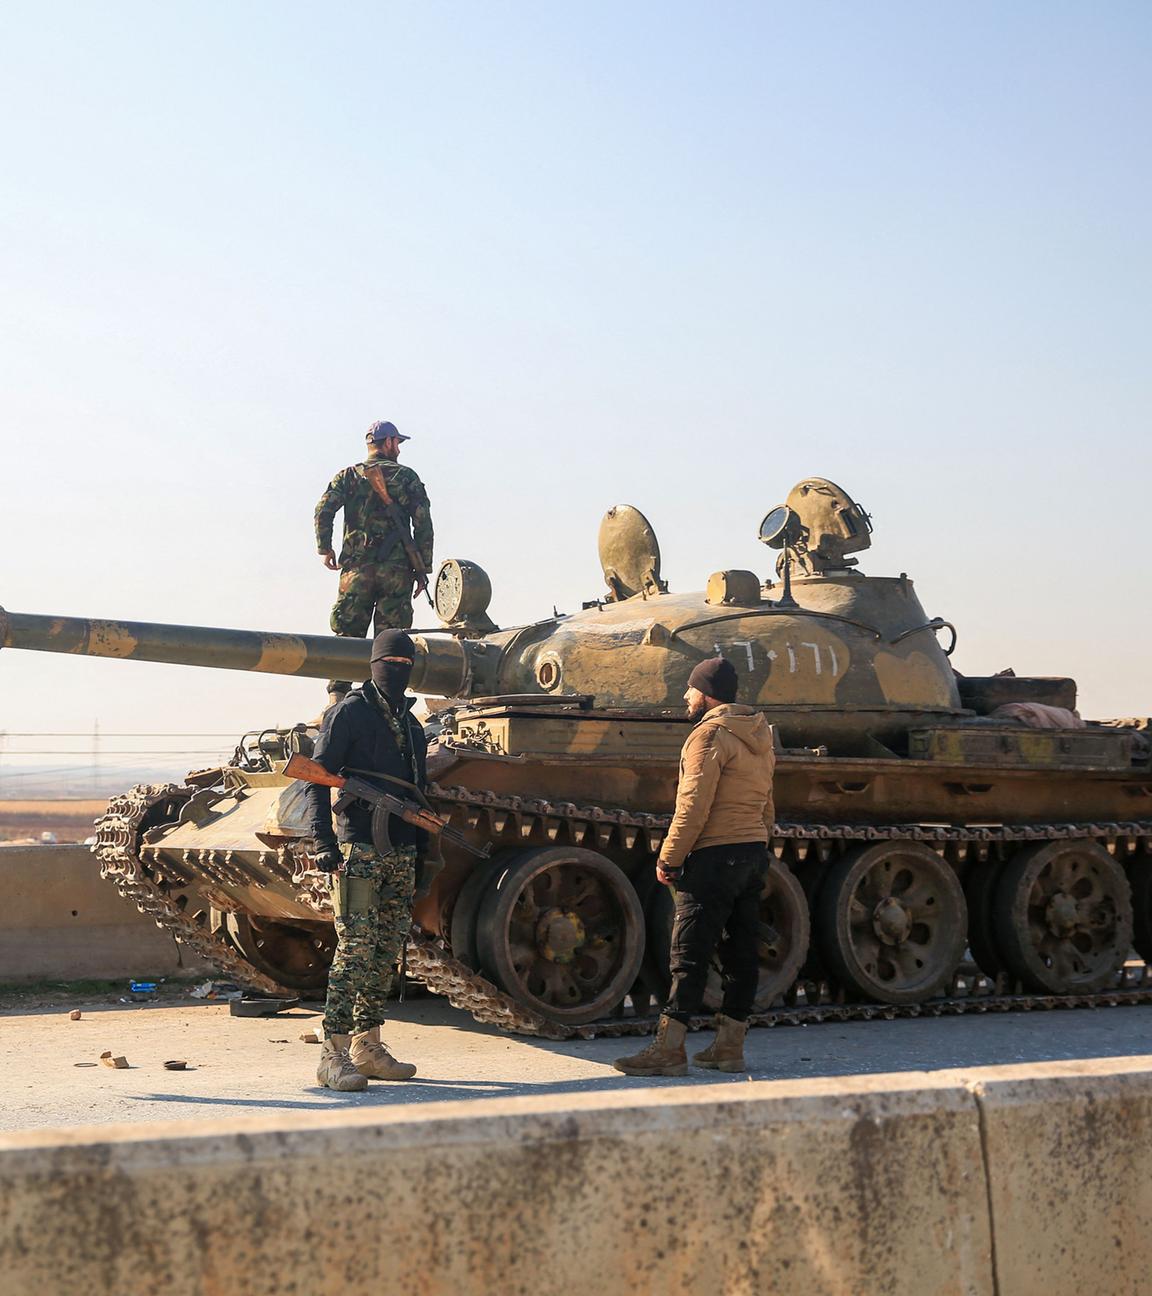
{"points": [[71, 821]]}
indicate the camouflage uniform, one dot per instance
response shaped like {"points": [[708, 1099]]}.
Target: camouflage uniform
{"points": [[375, 574], [372, 902]]}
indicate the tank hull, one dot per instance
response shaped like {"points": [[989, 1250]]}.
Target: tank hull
{"points": [[603, 761]]}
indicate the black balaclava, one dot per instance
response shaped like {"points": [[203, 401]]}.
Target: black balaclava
{"points": [[391, 676]]}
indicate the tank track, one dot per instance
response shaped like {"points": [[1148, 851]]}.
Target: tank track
{"points": [[117, 834], [514, 818], [117, 838], [593, 825], [469, 990]]}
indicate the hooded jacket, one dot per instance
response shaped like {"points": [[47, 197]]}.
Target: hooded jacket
{"points": [[725, 791]]}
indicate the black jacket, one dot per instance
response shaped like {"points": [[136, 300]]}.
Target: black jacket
{"points": [[356, 736]]}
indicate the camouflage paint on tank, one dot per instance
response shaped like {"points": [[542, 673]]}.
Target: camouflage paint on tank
{"points": [[312, 656], [855, 646]]}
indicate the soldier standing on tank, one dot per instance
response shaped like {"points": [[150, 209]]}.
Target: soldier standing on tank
{"points": [[372, 732], [715, 858], [382, 564]]}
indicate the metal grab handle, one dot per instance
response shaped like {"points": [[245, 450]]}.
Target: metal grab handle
{"points": [[937, 623]]}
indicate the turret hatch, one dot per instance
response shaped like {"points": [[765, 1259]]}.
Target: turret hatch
{"points": [[629, 554]]}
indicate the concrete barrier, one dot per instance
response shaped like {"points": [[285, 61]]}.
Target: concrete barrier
{"points": [[1067, 1147], [1003, 1182], [870, 1185], [59, 919]]}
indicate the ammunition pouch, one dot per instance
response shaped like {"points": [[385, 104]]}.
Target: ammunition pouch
{"points": [[352, 895]]}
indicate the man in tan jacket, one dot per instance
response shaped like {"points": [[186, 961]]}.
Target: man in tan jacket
{"points": [[715, 857]]}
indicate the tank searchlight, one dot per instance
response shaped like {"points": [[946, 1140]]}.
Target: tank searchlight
{"points": [[817, 527]]}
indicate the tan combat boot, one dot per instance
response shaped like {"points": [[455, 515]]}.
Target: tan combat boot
{"points": [[371, 1058], [665, 1056], [726, 1052], [336, 1070]]}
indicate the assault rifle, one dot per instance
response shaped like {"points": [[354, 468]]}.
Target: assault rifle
{"points": [[383, 804], [374, 476]]}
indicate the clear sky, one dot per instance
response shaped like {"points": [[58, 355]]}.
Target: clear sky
{"points": [[668, 254]]}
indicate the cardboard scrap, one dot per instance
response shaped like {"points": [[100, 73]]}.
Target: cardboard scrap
{"points": [[117, 1063]]}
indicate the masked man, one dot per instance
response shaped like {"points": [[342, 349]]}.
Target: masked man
{"points": [[371, 732], [386, 553], [715, 857]]}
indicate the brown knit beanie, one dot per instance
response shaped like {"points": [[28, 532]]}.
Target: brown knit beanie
{"points": [[715, 678]]}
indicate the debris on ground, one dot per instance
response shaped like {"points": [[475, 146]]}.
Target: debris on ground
{"points": [[75, 1015], [260, 1007], [65, 995], [311, 1036], [177, 1064], [226, 990], [117, 1063]]}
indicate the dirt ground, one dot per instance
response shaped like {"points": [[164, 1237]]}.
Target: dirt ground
{"points": [[238, 1066], [70, 821]]}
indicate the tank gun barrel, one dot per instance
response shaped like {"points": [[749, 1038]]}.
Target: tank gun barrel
{"points": [[312, 656], [443, 666]]}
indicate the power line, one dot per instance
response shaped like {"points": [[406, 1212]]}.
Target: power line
{"points": [[10, 777], [122, 751]]}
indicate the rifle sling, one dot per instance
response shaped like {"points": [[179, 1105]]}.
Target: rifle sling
{"points": [[392, 778], [374, 476]]}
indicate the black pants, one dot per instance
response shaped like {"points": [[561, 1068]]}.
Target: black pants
{"points": [[718, 895]]}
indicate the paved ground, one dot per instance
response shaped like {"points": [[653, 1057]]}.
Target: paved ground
{"points": [[246, 1066]]}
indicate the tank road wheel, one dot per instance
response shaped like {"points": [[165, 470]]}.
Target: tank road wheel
{"points": [[297, 956], [1063, 916], [561, 930], [784, 939], [891, 921], [467, 907], [785, 934]]}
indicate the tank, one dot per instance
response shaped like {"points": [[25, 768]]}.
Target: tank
{"points": [[943, 843]]}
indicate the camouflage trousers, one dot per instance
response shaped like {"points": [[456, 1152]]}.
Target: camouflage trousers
{"points": [[372, 902], [371, 594]]}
